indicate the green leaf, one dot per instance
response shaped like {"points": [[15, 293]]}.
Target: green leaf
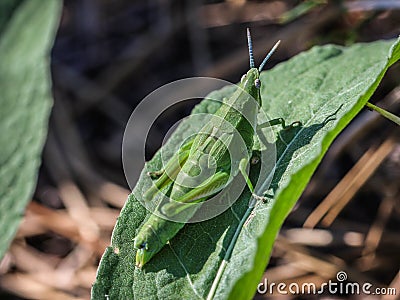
{"points": [[25, 101], [323, 88], [7, 7]]}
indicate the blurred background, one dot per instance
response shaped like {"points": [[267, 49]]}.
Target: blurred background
{"points": [[108, 55]]}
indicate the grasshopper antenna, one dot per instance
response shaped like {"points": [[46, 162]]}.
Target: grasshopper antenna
{"points": [[268, 56], [250, 45]]}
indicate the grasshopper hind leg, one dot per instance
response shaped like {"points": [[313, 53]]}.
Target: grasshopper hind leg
{"points": [[167, 175], [183, 150]]}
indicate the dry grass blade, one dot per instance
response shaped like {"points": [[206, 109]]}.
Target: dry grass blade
{"points": [[326, 266], [79, 211], [27, 287], [29, 259], [337, 199], [64, 225], [70, 194], [359, 178], [374, 236]]}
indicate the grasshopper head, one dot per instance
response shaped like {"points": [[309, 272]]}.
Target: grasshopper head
{"points": [[143, 255], [251, 84], [147, 246]]}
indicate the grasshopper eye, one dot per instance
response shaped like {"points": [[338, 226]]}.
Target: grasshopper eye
{"points": [[257, 83], [243, 78]]}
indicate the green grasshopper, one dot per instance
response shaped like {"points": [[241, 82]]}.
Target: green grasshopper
{"points": [[207, 151]]}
